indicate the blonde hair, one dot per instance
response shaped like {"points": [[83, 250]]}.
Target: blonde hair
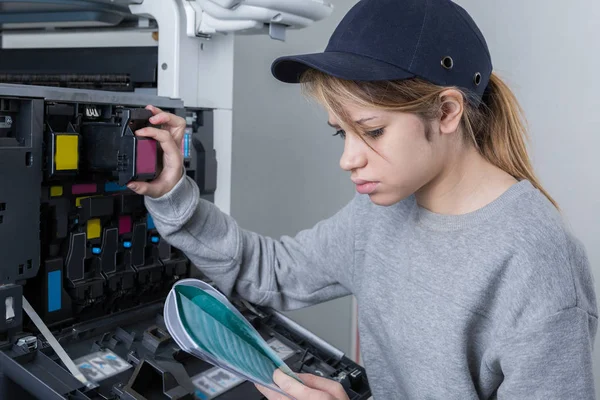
{"points": [[495, 125]]}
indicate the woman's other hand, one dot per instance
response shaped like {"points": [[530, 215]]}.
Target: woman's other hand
{"points": [[314, 388]]}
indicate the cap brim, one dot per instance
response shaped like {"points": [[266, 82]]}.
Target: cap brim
{"points": [[341, 65]]}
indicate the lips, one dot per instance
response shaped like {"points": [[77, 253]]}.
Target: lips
{"points": [[365, 187]]}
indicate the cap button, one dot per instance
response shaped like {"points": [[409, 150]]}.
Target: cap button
{"points": [[447, 62]]}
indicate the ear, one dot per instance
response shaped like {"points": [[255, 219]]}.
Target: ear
{"points": [[451, 111]]}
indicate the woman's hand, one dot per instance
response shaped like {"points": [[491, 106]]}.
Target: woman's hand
{"points": [[169, 137], [316, 388]]}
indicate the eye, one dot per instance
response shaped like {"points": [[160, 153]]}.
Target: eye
{"points": [[376, 133], [341, 134]]}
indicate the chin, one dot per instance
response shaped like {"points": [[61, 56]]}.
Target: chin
{"points": [[386, 199]]}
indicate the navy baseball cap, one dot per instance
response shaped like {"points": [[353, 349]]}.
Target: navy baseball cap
{"points": [[435, 40]]}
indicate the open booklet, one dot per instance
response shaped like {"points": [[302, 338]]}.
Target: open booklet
{"points": [[205, 324]]}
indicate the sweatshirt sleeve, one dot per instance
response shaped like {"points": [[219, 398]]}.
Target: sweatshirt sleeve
{"points": [[550, 360], [286, 273]]}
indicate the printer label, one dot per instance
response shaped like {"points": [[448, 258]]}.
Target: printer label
{"points": [[101, 365]]}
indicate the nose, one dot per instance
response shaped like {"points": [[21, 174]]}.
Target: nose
{"points": [[354, 155]]}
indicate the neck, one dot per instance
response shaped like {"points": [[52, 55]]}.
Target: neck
{"points": [[468, 183]]}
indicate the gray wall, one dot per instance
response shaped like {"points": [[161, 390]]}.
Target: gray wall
{"points": [[548, 52], [285, 172]]}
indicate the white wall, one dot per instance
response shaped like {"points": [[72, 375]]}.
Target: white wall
{"points": [[549, 53], [285, 172]]}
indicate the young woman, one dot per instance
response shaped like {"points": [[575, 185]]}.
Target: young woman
{"points": [[468, 283]]}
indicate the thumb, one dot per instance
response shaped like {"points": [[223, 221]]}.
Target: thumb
{"points": [[142, 188]]}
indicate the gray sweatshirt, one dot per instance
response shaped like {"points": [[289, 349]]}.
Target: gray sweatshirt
{"points": [[497, 302]]}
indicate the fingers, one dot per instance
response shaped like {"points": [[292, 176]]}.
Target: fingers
{"points": [[172, 163], [178, 136], [170, 122], [164, 118], [155, 110], [269, 394], [160, 135], [166, 140], [327, 385], [298, 390], [168, 119]]}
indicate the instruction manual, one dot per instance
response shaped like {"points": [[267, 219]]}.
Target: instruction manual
{"points": [[205, 324]]}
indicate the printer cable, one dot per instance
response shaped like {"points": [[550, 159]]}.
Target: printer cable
{"points": [[62, 354]]}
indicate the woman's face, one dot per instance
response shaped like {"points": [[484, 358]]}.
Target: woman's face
{"points": [[395, 159]]}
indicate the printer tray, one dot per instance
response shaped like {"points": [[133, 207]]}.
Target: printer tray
{"points": [[132, 356]]}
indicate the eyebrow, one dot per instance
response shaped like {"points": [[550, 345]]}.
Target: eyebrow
{"points": [[359, 122]]}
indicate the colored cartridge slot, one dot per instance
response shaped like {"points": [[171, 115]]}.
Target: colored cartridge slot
{"points": [[54, 291], [94, 228], [150, 222], [124, 224], [145, 162], [56, 191], [82, 188], [66, 156], [186, 145], [113, 187]]}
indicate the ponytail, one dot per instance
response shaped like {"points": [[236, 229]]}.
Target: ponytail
{"points": [[501, 134]]}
